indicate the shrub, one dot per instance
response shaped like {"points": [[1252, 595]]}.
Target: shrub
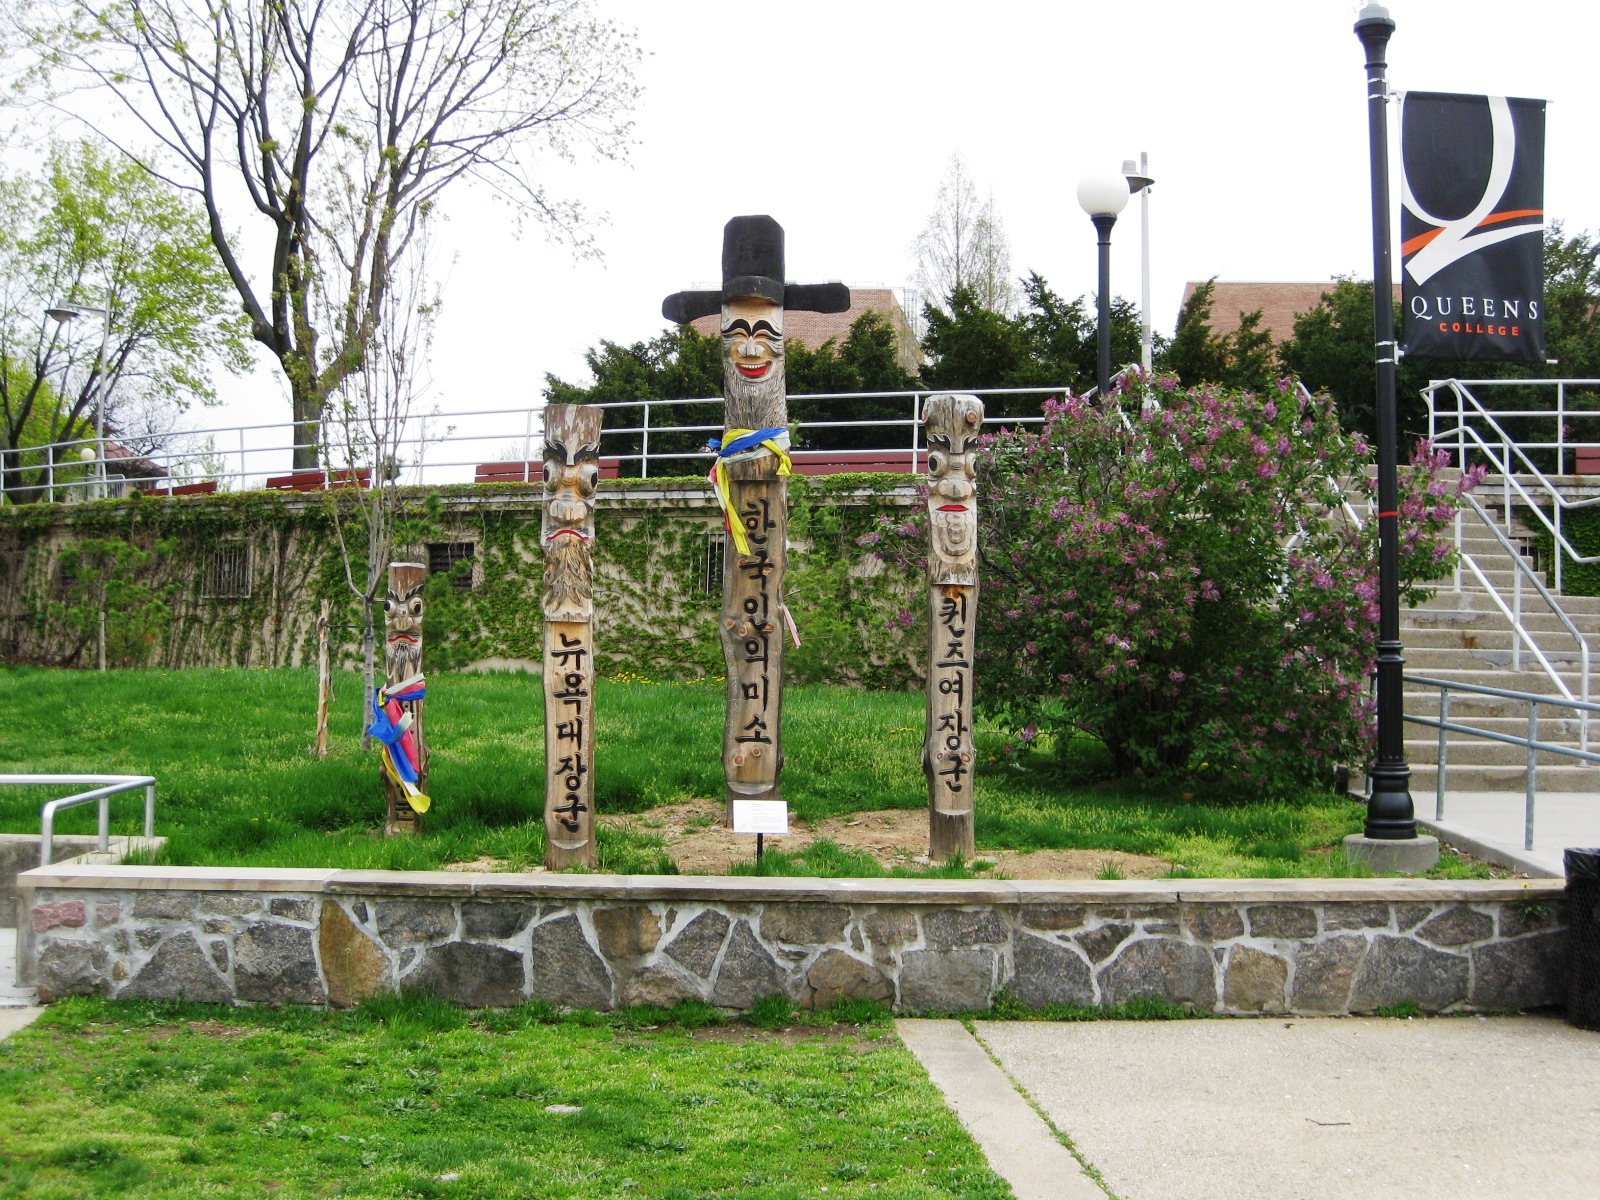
{"points": [[1183, 583]]}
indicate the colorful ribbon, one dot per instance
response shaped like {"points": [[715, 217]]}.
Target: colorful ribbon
{"points": [[391, 726], [740, 445]]}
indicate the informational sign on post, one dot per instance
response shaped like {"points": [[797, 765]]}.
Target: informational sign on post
{"points": [[761, 816]]}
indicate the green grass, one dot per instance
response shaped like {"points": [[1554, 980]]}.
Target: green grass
{"points": [[237, 784], [408, 1097]]}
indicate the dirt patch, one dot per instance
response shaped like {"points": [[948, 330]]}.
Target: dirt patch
{"points": [[698, 843]]}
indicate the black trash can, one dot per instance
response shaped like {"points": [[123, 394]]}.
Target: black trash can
{"points": [[1583, 938]]}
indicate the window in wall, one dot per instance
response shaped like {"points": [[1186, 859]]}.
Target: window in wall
{"points": [[442, 560]]}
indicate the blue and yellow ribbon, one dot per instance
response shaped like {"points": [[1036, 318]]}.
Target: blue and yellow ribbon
{"points": [[739, 445], [390, 734]]}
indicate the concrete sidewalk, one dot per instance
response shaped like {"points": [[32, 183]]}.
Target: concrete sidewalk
{"points": [[1491, 825], [1293, 1108]]}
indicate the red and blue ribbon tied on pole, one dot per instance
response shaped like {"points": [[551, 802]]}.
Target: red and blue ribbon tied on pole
{"points": [[391, 726]]}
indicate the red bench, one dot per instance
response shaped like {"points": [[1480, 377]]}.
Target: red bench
{"points": [[185, 489], [316, 481], [530, 472], [838, 462], [1586, 460]]}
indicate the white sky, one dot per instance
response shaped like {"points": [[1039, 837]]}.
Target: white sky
{"points": [[1252, 112]]}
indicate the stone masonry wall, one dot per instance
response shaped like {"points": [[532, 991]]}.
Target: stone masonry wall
{"points": [[604, 942]]}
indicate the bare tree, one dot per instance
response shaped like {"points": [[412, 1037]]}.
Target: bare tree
{"points": [[372, 422], [280, 114], [964, 244]]}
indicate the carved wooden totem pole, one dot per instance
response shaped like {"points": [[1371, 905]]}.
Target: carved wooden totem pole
{"points": [[749, 479], [397, 705], [952, 425], [571, 470]]}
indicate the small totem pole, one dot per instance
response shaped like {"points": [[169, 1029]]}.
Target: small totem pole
{"points": [[952, 423], [752, 461], [571, 470], [397, 705]]}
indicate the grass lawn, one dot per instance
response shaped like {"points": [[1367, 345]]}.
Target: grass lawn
{"points": [[407, 1098], [238, 786]]}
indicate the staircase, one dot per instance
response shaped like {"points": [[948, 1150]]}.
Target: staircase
{"points": [[1462, 636]]}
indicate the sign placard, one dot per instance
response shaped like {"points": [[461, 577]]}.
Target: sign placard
{"points": [[1471, 227], [761, 816]]}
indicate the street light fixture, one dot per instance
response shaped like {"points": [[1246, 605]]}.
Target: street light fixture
{"points": [[1139, 182], [61, 314], [1103, 197]]}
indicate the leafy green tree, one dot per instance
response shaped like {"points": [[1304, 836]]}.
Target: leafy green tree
{"points": [[1197, 354], [319, 133], [1331, 349], [1052, 342], [683, 364], [97, 231]]}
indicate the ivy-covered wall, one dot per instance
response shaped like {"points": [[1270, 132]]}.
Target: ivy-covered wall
{"points": [[237, 579]]}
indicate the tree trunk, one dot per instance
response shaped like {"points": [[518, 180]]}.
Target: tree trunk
{"points": [[571, 458], [952, 424], [324, 683]]}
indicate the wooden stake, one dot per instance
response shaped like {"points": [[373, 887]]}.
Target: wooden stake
{"points": [[952, 425], [752, 301], [571, 472], [752, 582], [402, 659], [324, 682]]}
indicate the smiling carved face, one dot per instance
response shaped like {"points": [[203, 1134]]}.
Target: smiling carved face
{"points": [[752, 337]]}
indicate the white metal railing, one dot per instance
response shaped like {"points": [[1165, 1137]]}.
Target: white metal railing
{"points": [[1531, 742], [439, 448], [108, 786], [1480, 435]]}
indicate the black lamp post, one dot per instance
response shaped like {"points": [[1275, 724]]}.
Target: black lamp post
{"points": [[1390, 814], [1103, 197]]}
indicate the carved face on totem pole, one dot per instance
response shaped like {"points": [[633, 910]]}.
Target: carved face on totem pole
{"points": [[752, 351], [402, 620], [953, 423], [571, 473]]}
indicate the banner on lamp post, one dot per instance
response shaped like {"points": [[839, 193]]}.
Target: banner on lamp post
{"points": [[1471, 227]]}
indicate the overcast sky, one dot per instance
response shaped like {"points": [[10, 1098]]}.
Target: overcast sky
{"points": [[1252, 113]]}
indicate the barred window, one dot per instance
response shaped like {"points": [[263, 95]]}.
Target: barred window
{"points": [[228, 572], [442, 560], [715, 558]]}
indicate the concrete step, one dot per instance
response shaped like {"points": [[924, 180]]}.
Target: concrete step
{"points": [[1423, 659], [1535, 682], [1495, 779], [1474, 636], [1481, 752]]}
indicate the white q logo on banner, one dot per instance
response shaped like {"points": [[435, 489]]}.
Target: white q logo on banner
{"points": [[1461, 237]]}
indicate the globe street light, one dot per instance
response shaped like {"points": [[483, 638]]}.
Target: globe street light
{"points": [[1139, 182], [61, 314], [1103, 197]]}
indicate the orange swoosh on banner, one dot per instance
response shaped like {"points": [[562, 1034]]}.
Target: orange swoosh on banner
{"points": [[1422, 239]]}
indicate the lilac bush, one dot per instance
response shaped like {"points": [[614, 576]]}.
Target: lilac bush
{"points": [[1185, 585]]}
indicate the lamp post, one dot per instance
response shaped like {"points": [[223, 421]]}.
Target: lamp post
{"points": [[1103, 197], [1139, 181], [1389, 840], [61, 315]]}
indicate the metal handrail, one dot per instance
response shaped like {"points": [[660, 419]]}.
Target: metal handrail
{"points": [[111, 785], [1444, 725], [250, 465]]}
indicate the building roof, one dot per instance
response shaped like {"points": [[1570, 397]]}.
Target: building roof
{"points": [[813, 329], [1280, 303]]}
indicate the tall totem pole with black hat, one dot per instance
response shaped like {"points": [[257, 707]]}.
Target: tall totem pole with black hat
{"points": [[749, 475]]}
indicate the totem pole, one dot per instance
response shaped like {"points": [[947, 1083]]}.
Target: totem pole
{"points": [[397, 705], [571, 470], [952, 423], [752, 461]]}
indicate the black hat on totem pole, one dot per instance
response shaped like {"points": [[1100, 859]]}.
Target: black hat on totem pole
{"points": [[752, 267]]}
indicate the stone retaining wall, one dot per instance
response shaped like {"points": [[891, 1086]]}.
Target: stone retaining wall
{"points": [[1230, 946]]}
